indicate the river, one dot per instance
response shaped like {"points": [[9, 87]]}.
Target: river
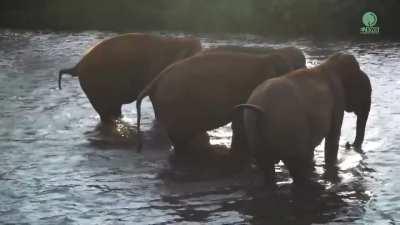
{"points": [[58, 165]]}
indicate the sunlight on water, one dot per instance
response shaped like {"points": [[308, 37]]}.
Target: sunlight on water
{"points": [[221, 136]]}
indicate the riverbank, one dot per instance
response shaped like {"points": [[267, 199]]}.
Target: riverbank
{"points": [[272, 17]]}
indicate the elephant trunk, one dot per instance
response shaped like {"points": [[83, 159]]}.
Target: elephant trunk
{"points": [[362, 117], [260, 132]]}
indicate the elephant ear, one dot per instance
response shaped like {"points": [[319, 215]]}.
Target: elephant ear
{"points": [[295, 57], [346, 67], [279, 64], [184, 53], [346, 64], [192, 47], [349, 62]]}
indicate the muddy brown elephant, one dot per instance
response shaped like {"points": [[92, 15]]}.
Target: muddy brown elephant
{"points": [[293, 55], [285, 118], [115, 71], [197, 94]]}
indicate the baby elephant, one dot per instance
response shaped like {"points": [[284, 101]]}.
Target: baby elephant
{"points": [[286, 117], [197, 94], [115, 71]]}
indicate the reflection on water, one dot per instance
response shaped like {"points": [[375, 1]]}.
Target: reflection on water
{"points": [[59, 166]]}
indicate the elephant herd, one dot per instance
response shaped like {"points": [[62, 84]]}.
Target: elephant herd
{"points": [[279, 108]]}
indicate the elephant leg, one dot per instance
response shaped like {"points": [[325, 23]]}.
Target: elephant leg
{"points": [[269, 173], [238, 143], [180, 143], [200, 142], [332, 141], [300, 168], [190, 145], [268, 167], [108, 113]]}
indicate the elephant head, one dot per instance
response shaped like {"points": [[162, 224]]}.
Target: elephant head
{"points": [[357, 91], [277, 65], [191, 47], [294, 56], [181, 48]]}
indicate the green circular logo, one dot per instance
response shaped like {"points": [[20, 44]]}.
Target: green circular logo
{"points": [[369, 19]]}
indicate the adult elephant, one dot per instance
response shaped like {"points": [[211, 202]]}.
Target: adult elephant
{"points": [[285, 118], [115, 71], [197, 94], [293, 55]]}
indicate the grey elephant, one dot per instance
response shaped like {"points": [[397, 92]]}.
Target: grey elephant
{"points": [[197, 94], [114, 71], [285, 118]]}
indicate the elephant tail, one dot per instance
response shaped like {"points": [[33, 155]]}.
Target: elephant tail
{"points": [[71, 71], [139, 115], [260, 120], [145, 92]]}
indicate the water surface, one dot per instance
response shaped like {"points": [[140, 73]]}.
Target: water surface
{"points": [[59, 166]]}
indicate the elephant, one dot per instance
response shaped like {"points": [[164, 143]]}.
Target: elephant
{"points": [[114, 71], [197, 94], [293, 55], [286, 117]]}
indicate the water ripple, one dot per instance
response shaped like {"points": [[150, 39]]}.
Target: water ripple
{"points": [[59, 166]]}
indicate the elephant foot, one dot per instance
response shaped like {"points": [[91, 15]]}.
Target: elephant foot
{"points": [[110, 119], [307, 187], [331, 174], [331, 168], [301, 169], [109, 114]]}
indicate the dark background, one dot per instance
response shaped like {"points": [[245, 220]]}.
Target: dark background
{"points": [[277, 17]]}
